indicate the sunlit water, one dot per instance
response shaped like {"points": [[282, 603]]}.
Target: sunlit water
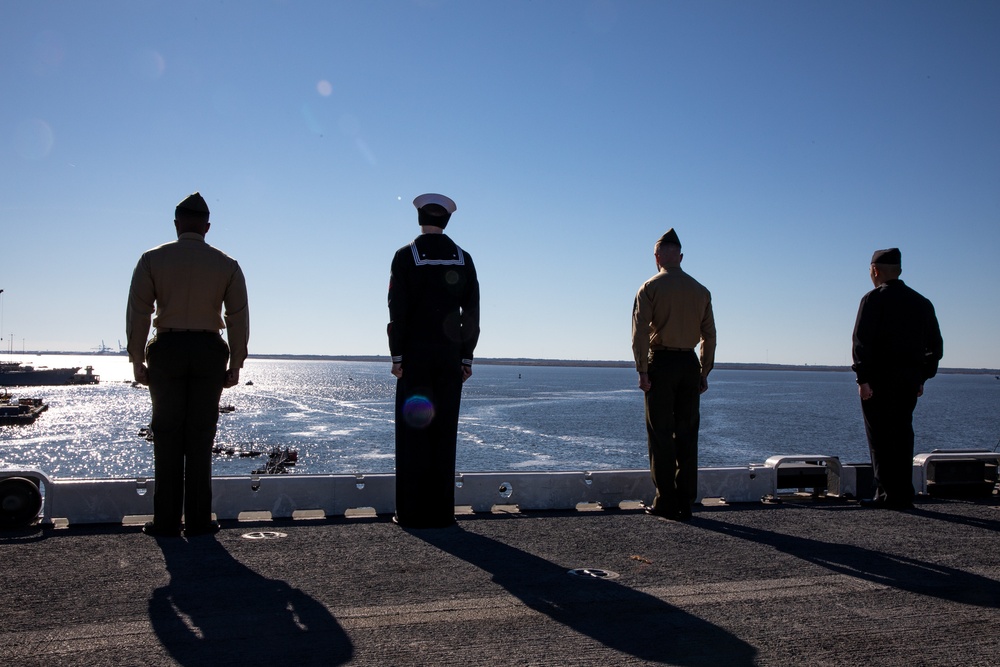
{"points": [[339, 417]]}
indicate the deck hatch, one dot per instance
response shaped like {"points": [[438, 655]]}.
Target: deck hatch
{"points": [[264, 535], [592, 573]]}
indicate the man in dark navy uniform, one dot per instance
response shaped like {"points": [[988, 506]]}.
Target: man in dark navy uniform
{"points": [[897, 346], [433, 331]]}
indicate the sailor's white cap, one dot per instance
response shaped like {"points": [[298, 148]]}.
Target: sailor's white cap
{"points": [[431, 198]]}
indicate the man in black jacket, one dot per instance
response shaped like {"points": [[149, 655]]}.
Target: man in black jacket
{"points": [[897, 346], [433, 331]]}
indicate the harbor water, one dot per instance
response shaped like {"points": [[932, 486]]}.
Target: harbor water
{"points": [[338, 416]]}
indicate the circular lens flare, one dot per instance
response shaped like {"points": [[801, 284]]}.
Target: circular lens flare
{"points": [[34, 139], [418, 411]]}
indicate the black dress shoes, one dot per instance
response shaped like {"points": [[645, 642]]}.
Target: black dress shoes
{"points": [[153, 530], [424, 524], [676, 515], [211, 528]]}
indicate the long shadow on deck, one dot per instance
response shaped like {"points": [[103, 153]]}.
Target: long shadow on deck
{"points": [[217, 611], [940, 512], [901, 572], [618, 617]]}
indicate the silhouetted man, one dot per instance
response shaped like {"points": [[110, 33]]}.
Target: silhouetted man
{"points": [[187, 283], [897, 346], [433, 331]]}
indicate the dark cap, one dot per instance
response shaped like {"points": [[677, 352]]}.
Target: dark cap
{"points": [[669, 238], [888, 256], [193, 207]]}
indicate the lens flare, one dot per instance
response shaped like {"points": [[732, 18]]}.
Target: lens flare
{"points": [[34, 139], [149, 65], [418, 411]]}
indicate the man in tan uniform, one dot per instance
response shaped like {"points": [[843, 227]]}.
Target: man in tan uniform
{"points": [[187, 283], [671, 314]]}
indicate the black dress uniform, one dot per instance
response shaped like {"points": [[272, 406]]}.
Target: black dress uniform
{"points": [[433, 331], [897, 346]]}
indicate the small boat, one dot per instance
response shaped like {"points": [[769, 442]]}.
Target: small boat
{"points": [[233, 451], [22, 413], [278, 461]]}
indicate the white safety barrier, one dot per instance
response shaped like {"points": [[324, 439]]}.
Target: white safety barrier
{"points": [[748, 484], [287, 496], [283, 495], [552, 490], [81, 501]]}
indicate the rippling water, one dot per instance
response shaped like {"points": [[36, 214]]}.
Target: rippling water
{"points": [[338, 416]]}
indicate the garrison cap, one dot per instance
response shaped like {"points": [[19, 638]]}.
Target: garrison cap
{"points": [[888, 256], [670, 237], [192, 207], [430, 198]]}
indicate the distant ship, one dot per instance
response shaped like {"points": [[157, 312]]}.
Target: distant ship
{"points": [[16, 374]]}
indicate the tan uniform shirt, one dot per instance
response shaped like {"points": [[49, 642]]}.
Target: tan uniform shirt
{"points": [[189, 282], [673, 310]]}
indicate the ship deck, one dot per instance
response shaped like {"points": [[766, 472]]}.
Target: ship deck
{"points": [[801, 582]]}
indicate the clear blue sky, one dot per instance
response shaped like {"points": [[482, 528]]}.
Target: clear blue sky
{"points": [[784, 140]]}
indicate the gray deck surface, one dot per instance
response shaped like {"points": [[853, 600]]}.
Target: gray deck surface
{"points": [[800, 583]]}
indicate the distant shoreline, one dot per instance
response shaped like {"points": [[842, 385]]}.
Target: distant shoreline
{"points": [[587, 363], [521, 361]]}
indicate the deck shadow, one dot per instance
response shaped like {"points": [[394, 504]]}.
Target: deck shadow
{"points": [[930, 512], [901, 572], [217, 611], [620, 618]]}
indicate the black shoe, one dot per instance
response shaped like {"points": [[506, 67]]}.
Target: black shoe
{"points": [[684, 515], [872, 503], [424, 524], [209, 529], [153, 530], [665, 514]]}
